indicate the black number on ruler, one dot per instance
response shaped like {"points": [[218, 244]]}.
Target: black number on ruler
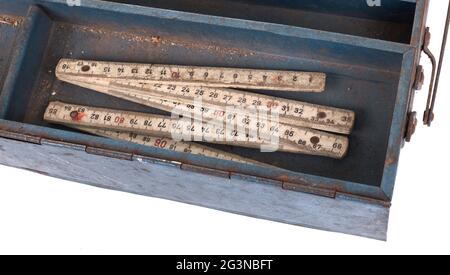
{"points": [[337, 146], [242, 100], [298, 111], [289, 133]]}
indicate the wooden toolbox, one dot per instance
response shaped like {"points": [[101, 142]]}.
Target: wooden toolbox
{"points": [[369, 54]]}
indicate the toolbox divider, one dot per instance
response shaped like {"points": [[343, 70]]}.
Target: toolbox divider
{"points": [[30, 46]]}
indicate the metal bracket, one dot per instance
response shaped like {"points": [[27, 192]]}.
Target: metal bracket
{"points": [[419, 78], [411, 126], [428, 116]]}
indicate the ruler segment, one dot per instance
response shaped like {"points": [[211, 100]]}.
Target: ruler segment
{"points": [[197, 76], [168, 144], [221, 103], [291, 139]]}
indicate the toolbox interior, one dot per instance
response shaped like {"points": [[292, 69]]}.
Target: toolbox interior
{"points": [[358, 78], [9, 26], [391, 21]]}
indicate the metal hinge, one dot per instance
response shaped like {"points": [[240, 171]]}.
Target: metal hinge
{"points": [[350, 197], [256, 179], [205, 171], [289, 186], [145, 159], [303, 188], [62, 144], [109, 153], [20, 137]]}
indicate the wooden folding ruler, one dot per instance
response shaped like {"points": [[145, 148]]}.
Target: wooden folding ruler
{"points": [[205, 94]]}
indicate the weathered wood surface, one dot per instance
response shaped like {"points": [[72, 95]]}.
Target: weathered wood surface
{"points": [[256, 199]]}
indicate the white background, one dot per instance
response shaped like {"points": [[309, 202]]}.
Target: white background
{"points": [[39, 214]]}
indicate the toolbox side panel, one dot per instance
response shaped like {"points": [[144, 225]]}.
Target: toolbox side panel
{"points": [[256, 199]]}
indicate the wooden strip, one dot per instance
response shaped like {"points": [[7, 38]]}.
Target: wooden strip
{"points": [[259, 136], [197, 76]]}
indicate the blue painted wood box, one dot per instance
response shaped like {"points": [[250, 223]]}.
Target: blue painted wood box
{"points": [[370, 55]]}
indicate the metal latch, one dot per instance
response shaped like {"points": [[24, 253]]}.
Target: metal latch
{"points": [[428, 116]]}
